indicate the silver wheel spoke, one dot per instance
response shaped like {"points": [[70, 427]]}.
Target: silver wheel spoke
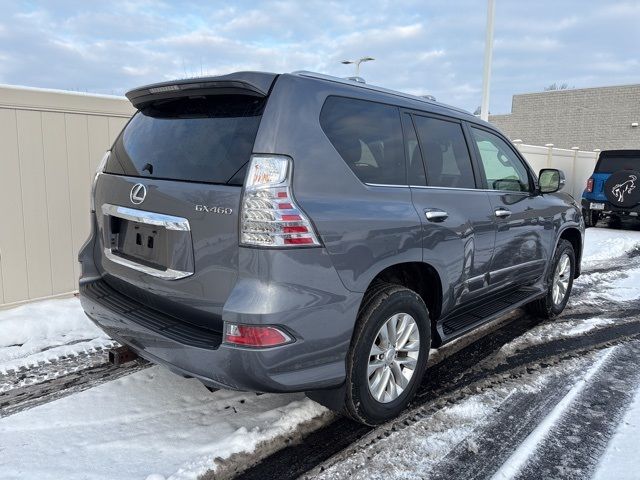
{"points": [[393, 357], [561, 279]]}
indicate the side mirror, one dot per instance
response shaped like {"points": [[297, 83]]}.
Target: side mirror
{"points": [[550, 180]]}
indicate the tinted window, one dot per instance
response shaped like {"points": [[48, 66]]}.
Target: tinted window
{"points": [[368, 137], [445, 153], [502, 168], [415, 170], [199, 139], [614, 163]]}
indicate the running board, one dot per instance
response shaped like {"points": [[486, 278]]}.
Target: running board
{"points": [[459, 324]]}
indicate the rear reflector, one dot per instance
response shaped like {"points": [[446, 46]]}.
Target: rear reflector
{"points": [[590, 185], [254, 336]]}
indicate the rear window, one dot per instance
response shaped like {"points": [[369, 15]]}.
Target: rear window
{"points": [[368, 137], [611, 164], [203, 139]]}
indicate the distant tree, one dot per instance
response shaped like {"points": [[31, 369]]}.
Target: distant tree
{"points": [[555, 86]]}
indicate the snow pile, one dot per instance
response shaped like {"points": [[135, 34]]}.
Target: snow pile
{"points": [[602, 244], [43, 331], [148, 423]]}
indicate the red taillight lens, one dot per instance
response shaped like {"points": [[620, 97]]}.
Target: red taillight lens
{"points": [[254, 336], [270, 216], [590, 185]]}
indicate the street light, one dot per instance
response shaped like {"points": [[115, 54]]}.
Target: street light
{"points": [[488, 54], [357, 63]]}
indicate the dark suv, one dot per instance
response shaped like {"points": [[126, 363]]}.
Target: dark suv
{"points": [[614, 187], [299, 232]]}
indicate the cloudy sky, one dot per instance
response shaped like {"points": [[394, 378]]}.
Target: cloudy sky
{"points": [[421, 46]]}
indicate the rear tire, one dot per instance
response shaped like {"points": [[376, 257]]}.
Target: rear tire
{"points": [[591, 218], [559, 280], [385, 309]]}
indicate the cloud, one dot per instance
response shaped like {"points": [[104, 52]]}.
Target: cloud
{"points": [[420, 47]]}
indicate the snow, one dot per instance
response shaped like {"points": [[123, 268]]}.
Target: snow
{"points": [[605, 244], [44, 331], [620, 460], [148, 423]]}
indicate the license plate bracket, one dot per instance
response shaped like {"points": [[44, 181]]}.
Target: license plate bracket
{"points": [[144, 243]]}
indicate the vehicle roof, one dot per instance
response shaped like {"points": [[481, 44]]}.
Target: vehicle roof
{"points": [[259, 83], [620, 153], [400, 98]]}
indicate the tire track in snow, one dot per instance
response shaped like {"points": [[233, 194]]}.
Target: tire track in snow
{"points": [[29, 396]]}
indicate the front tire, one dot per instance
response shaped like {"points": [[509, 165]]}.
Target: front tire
{"points": [[559, 281], [388, 354]]}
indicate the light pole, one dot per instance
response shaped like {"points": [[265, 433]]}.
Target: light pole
{"points": [[488, 54], [357, 63]]}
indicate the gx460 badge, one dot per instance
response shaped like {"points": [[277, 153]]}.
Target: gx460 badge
{"points": [[218, 210]]}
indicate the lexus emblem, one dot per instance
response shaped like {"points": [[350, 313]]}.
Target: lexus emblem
{"points": [[138, 194]]}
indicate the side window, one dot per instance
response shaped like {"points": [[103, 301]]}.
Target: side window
{"points": [[445, 153], [368, 137], [502, 168], [415, 169]]}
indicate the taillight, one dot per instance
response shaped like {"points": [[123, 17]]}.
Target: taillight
{"points": [[270, 216], [254, 336], [590, 185]]}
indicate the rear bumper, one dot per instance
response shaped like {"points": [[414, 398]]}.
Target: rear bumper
{"points": [[193, 351], [610, 208], [298, 290]]}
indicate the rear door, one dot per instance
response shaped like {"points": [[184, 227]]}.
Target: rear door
{"points": [[457, 224], [167, 205], [521, 237]]}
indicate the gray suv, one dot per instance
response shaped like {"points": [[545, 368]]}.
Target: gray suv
{"points": [[299, 232]]}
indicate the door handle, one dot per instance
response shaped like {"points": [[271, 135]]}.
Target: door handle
{"points": [[435, 214], [503, 213]]}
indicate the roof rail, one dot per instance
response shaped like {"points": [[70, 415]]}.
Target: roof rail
{"points": [[353, 83]]}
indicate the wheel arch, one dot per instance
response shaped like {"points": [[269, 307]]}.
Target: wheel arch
{"points": [[420, 277], [574, 236]]}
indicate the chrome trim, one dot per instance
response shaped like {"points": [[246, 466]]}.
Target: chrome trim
{"points": [[385, 185], [435, 215], [514, 267], [168, 274], [150, 218], [502, 213]]}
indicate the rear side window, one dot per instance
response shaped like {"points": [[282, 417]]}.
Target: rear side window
{"points": [[368, 137], [614, 163], [202, 139], [445, 153]]}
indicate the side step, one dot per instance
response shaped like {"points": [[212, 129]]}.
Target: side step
{"points": [[460, 323]]}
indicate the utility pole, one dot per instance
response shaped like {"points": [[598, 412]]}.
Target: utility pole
{"points": [[488, 55]]}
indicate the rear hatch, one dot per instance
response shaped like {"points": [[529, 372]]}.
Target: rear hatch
{"points": [[624, 164], [168, 202]]}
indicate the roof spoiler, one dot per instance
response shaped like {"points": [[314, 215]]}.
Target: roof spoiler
{"points": [[242, 83]]}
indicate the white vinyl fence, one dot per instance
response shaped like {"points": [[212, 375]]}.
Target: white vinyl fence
{"points": [[51, 143], [576, 164]]}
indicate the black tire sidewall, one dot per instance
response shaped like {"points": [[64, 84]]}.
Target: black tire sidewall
{"points": [[563, 247], [367, 409]]}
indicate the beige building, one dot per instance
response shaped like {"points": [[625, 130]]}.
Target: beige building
{"points": [[588, 118]]}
